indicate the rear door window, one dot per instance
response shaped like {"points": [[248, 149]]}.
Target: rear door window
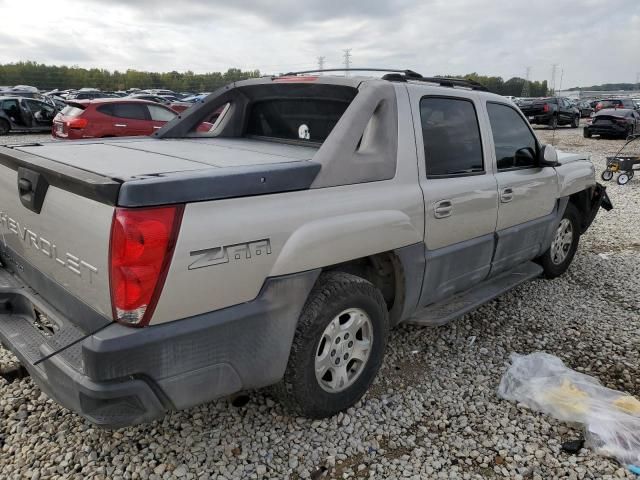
{"points": [[133, 111], [451, 136], [511, 137], [306, 120]]}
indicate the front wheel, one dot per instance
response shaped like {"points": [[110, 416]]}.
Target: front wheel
{"points": [[553, 123], [556, 260], [575, 121], [607, 175], [338, 346]]}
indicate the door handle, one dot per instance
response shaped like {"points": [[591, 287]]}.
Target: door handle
{"points": [[507, 195], [119, 124], [443, 209], [156, 128]]}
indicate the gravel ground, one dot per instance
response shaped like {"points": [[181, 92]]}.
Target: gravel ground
{"points": [[432, 413]]}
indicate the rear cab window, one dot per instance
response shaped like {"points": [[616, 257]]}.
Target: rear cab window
{"points": [[451, 137], [299, 112], [307, 120]]}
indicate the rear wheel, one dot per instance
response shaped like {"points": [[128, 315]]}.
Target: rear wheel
{"points": [[623, 179], [575, 121], [337, 348], [630, 130], [553, 123], [559, 256], [586, 133], [4, 127]]}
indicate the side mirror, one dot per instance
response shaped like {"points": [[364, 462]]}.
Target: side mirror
{"points": [[548, 156]]}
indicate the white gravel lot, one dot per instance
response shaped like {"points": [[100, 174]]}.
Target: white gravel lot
{"points": [[433, 413]]}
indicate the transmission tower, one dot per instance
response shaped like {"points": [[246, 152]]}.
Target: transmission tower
{"points": [[525, 85], [321, 63], [554, 67], [347, 60]]}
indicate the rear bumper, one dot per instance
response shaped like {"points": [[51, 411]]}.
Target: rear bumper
{"points": [[538, 118], [121, 376], [614, 130]]}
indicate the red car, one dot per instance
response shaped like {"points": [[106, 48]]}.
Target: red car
{"points": [[110, 117]]}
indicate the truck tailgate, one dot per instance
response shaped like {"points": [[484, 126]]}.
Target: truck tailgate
{"points": [[61, 251]]}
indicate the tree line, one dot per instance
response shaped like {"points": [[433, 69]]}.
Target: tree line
{"points": [[48, 77], [609, 87], [513, 86]]}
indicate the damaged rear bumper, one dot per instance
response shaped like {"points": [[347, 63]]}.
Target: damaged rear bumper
{"points": [[121, 376]]}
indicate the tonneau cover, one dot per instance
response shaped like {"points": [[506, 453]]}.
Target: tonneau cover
{"points": [[145, 171], [125, 158]]}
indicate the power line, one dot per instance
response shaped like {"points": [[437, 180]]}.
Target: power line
{"points": [[347, 60]]}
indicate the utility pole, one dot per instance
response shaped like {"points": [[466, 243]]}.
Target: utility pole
{"points": [[525, 85], [321, 64], [553, 78], [347, 60], [638, 81]]}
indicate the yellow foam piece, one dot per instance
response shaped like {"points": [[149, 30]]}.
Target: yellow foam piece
{"points": [[568, 397], [628, 404]]}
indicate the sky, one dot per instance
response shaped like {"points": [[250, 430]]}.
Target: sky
{"points": [[592, 41]]}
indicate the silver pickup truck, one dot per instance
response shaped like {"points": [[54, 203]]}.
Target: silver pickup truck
{"points": [[278, 248]]}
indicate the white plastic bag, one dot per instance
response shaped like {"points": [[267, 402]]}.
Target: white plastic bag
{"points": [[611, 419]]}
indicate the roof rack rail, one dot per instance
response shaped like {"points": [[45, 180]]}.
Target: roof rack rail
{"points": [[403, 75], [396, 70]]}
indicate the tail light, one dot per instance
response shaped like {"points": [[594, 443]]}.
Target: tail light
{"points": [[141, 248], [545, 108], [77, 123]]}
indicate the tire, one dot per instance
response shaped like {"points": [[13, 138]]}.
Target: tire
{"points": [[630, 174], [575, 122], [552, 261], [586, 133], [553, 123], [630, 131], [606, 175], [623, 179], [336, 297], [4, 127]]}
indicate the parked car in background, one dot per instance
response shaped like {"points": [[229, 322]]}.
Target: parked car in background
{"points": [[150, 98], [167, 100], [615, 103], [122, 117], [551, 111], [90, 94], [21, 114], [585, 108], [614, 122]]}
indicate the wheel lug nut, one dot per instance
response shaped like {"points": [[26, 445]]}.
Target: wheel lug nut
{"points": [[337, 361], [338, 340], [346, 355], [346, 335], [333, 353], [350, 344]]}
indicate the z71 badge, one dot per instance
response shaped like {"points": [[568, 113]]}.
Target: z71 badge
{"points": [[228, 253]]}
